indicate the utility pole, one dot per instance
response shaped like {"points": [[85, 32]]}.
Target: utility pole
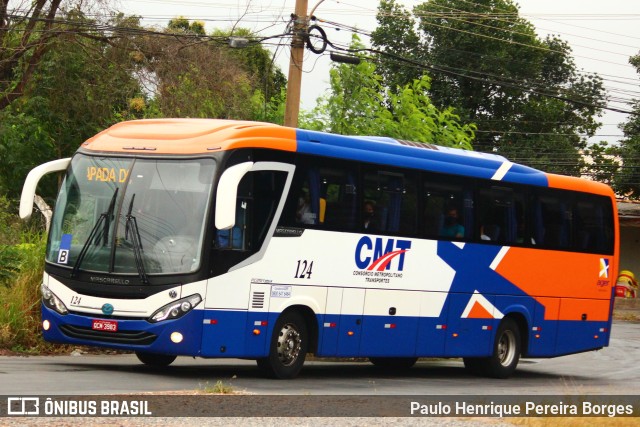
{"points": [[292, 106]]}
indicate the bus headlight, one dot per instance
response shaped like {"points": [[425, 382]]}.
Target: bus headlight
{"points": [[52, 301], [176, 309]]}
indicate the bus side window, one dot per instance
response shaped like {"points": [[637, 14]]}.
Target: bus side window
{"points": [[303, 203], [393, 198], [554, 220], [568, 221], [501, 215], [321, 196], [442, 198], [338, 198], [258, 197], [591, 213]]}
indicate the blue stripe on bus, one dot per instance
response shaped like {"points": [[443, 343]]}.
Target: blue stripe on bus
{"points": [[391, 152], [225, 334]]}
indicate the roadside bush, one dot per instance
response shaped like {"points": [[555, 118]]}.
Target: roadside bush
{"points": [[22, 249], [9, 223], [19, 295]]}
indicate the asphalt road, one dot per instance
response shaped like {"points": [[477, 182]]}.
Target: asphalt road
{"points": [[613, 370]]}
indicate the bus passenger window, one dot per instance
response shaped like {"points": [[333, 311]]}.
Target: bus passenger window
{"points": [[447, 209], [591, 213], [501, 215], [321, 197], [553, 222], [392, 197]]}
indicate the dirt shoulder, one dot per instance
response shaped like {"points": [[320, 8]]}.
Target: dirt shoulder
{"points": [[627, 309]]}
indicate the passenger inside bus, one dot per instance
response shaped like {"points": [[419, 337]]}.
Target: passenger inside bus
{"points": [[303, 210], [369, 213], [452, 227]]}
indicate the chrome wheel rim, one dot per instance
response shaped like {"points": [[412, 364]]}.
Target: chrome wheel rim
{"points": [[507, 348], [289, 344]]}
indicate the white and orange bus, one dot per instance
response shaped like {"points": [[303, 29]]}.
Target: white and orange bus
{"points": [[228, 239]]}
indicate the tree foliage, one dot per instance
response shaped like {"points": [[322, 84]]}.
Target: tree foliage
{"points": [[627, 178], [258, 62], [80, 82], [359, 104], [525, 94], [91, 73], [24, 39]]}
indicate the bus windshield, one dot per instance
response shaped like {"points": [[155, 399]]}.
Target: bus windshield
{"points": [[131, 216]]}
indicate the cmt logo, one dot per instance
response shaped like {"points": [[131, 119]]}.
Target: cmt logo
{"points": [[376, 255]]}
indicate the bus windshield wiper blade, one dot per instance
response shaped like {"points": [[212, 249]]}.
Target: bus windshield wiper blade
{"points": [[132, 225], [105, 217], [108, 217]]}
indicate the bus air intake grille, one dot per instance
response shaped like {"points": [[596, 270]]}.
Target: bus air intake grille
{"points": [[120, 337], [258, 300]]}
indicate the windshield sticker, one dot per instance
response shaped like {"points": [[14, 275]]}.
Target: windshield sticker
{"points": [[65, 247], [106, 174]]}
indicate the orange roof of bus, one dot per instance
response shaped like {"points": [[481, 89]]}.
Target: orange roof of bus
{"points": [[579, 184], [190, 136]]}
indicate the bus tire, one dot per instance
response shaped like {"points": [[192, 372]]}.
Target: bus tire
{"points": [[288, 347], [155, 359], [505, 354], [393, 363]]}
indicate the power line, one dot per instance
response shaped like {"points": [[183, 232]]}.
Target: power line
{"points": [[468, 74]]}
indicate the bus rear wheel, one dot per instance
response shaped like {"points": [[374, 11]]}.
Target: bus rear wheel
{"points": [[155, 359], [288, 347], [393, 363], [505, 356]]}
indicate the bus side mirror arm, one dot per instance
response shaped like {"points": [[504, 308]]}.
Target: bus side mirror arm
{"points": [[227, 194], [31, 182]]}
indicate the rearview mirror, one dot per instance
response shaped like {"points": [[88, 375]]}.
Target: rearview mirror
{"points": [[227, 194], [31, 182]]}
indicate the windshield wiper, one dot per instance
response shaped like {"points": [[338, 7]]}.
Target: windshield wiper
{"points": [[105, 217], [132, 225]]}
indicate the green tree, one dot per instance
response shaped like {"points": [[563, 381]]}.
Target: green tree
{"points": [[267, 80], [190, 74], [24, 39], [93, 73], [81, 84], [603, 164], [627, 179], [524, 93], [182, 25], [358, 104]]}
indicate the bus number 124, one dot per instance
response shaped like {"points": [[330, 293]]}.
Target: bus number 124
{"points": [[303, 270]]}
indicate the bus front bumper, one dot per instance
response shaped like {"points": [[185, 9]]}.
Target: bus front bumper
{"points": [[180, 336]]}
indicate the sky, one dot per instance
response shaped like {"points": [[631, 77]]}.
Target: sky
{"points": [[602, 34]]}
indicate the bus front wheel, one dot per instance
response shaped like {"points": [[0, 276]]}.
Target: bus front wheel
{"points": [[288, 347], [155, 359], [505, 355]]}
